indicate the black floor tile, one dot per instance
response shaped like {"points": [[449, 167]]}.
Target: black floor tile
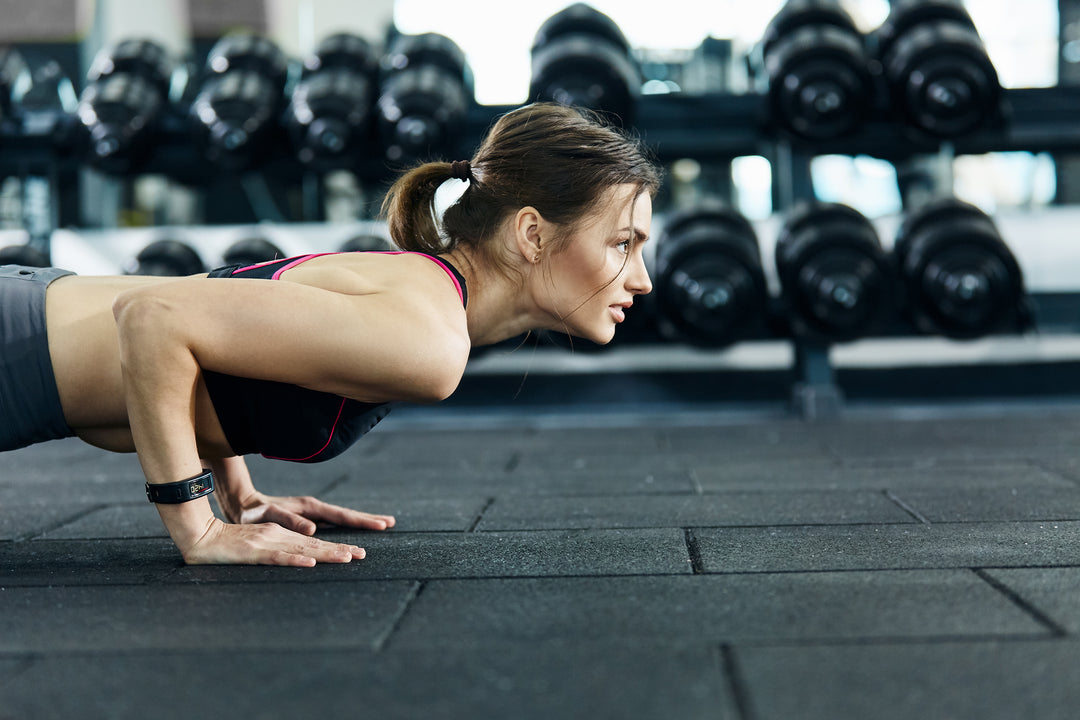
{"points": [[731, 508], [81, 562], [413, 514], [419, 556], [1053, 591], [716, 608], [536, 681], [199, 616], [553, 480], [869, 547], [29, 519], [1020, 503], [770, 474], [963, 681]]}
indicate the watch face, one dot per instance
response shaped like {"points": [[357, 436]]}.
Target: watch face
{"points": [[181, 491]]}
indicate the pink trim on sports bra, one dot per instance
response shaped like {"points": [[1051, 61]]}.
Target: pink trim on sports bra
{"points": [[432, 258], [305, 258]]}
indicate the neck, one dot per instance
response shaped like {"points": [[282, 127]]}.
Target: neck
{"points": [[498, 307]]}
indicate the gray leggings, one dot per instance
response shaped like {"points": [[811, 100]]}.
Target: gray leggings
{"points": [[30, 409]]}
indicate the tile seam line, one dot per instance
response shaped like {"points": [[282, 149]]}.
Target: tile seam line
{"points": [[480, 515], [577, 576], [380, 642], [734, 642], [334, 484], [693, 550], [731, 672], [26, 537], [890, 640], [1020, 602], [903, 505]]}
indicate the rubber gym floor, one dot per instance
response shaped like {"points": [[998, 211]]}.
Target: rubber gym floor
{"points": [[883, 565]]}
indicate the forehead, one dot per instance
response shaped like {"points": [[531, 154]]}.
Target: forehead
{"points": [[618, 207]]}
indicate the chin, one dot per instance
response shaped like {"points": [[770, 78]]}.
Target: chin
{"points": [[603, 338]]}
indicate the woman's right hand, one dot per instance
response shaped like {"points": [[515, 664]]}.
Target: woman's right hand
{"points": [[264, 544]]}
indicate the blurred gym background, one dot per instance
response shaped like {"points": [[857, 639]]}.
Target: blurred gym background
{"points": [[865, 201]]}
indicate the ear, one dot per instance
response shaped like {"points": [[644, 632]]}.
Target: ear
{"points": [[529, 228]]}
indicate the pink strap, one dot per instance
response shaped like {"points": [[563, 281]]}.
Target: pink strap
{"points": [[304, 258]]}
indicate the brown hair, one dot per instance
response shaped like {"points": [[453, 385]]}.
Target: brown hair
{"points": [[557, 159]]}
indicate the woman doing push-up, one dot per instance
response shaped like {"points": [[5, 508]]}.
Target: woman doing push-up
{"points": [[297, 358]]}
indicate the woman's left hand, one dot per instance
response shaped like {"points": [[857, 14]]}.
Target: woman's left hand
{"points": [[301, 514]]}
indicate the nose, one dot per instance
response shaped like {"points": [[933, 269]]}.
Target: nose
{"points": [[637, 280]]}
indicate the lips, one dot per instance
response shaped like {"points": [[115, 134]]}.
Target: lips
{"points": [[619, 311]]}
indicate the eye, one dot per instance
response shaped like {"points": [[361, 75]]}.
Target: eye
{"points": [[624, 246]]}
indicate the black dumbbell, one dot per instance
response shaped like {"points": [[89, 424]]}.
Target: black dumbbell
{"points": [[23, 255], [580, 57], [167, 258], [836, 281], [252, 251], [329, 115], [425, 94], [709, 284], [960, 278], [127, 89], [819, 82], [366, 243], [236, 111], [940, 78]]}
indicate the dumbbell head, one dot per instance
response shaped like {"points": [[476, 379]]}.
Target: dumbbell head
{"points": [[252, 251], [128, 85], [143, 58], [170, 258], [253, 53], [236, 111], [426, 89], [936, 65], [819, 82], [836, 280], [235, 117], [329, 115], [961, 279], [580, 57], [344, 51], [366, 243], [117, 112], [709, 284], [23, 255]]}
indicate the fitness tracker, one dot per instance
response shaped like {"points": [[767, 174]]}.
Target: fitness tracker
{"points": [[183, 491]]}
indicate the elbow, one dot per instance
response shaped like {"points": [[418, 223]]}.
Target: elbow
{"points": [[437, 386], [442, 378], [142, 317], [444, 388]]}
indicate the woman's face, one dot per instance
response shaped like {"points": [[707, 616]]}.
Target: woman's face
{"points": [[591, 282]]}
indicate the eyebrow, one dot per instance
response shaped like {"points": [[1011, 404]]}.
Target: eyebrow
{"points": [[641, 236]]}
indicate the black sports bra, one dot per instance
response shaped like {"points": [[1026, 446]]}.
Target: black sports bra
{"points": [[287, 422]]}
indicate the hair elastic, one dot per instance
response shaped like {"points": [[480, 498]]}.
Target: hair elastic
{"points": [[461, 170]]}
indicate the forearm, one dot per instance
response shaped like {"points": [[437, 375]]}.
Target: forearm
{"points": [[160, 373], [233, 483]]}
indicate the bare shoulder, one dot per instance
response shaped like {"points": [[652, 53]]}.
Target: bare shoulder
{"points": [[414, 298], [405, 276]]}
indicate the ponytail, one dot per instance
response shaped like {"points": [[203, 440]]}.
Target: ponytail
{"points": [[409, 208], [556, 159]]}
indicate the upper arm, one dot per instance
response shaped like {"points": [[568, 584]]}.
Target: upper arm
{"points": [[374, 347]]}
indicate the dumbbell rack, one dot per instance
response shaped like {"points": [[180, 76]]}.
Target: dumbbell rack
{"points": [[708, 128]]}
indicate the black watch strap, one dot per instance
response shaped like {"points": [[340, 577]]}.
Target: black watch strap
{"points": [[183, 491]]}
